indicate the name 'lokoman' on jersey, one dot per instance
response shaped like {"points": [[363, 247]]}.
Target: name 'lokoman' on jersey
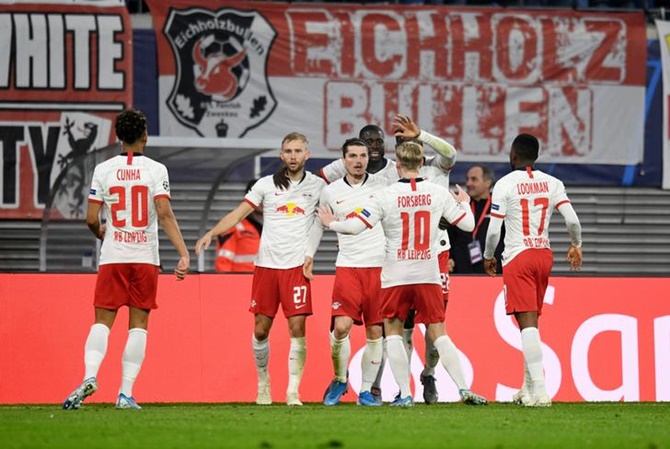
{"points": [[526, 199]]}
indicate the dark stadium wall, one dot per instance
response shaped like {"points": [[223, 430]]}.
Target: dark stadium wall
{"points": [[605, 339]]}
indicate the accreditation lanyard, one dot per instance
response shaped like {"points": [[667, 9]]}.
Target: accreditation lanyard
{"points": [[481, 218]]}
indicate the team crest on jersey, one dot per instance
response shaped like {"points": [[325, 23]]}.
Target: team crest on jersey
{"points": [[220, 88], [290, 209]]}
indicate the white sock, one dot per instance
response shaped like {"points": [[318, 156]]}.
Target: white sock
{"points": [[95, 349], [432, 358], [407, 339], [409, 346], [450, 361], [132, 359], [380, 373], [296, 363], [261, 356], [397, 355], [340, 351], [527, 381], [370, 362], [532, 354]]}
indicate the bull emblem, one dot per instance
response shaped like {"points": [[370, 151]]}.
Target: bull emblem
{"points": [[214, 75], [290, 210]]}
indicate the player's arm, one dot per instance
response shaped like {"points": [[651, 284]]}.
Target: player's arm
{"points": [[313, 240], [406, 128], [169, 224], [354, 225], [498, 210], [93, 219], [333, 171], [458, 212], [231, 219], [447, 153], [95, 203], [492, 239], [575, 231]]}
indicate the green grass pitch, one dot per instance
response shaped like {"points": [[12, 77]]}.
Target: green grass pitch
{"points": [[497, 426]]}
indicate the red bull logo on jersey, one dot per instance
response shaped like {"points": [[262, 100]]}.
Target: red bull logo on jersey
{"points": [[290, 209]]}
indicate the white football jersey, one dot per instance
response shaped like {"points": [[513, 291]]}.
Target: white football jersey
{"points": [[410, 211], [432, 173], [128, 186], [287, 217], [525, 199], [346, 201], [336, 170]]}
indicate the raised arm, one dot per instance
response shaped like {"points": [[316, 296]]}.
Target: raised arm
{"points": [[406, 128]]}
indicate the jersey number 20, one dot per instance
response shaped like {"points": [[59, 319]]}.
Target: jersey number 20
{"points": [[139, 206]]}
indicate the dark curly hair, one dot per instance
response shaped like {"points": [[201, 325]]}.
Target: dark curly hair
{"points": [[130, 125]]}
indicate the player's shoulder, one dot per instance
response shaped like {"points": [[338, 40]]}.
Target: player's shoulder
{"points": [[264, 184], [335, 186], [109, 163], [153, 165], [547, 176], [313, 179]]}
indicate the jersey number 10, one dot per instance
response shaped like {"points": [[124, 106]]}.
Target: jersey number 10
{"points": [[139, 206], [421, 230]]}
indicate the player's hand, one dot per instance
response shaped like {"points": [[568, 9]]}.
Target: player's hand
{"points": [[182, 268], [575, 258], [325, 215], [308, 267], [461, 195], [404, 127], [102, 231], [203, 243], [452, 265], [490, 266]]}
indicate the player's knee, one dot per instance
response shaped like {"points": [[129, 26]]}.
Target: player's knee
{"points": [[341, 330], [296, 330], [261, 334]]}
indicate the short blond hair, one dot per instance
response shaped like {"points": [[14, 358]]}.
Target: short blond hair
{"points": [[409, 155], [290, 137]]}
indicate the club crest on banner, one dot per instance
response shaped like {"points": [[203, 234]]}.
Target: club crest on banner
{"points": [[221, 87], [82, 135]]}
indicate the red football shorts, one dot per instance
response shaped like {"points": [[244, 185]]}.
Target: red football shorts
{"points": [[426, 299], [443, 261], [526, 278], [126, 284], [356, 294], [271, 287]]}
